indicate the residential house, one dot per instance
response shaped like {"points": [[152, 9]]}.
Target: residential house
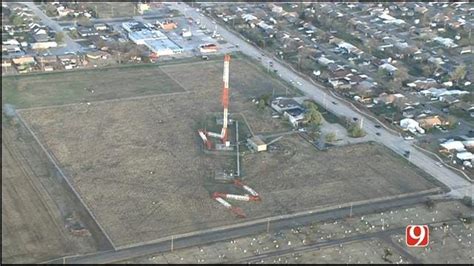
{"points": [[23, 60], [446, 42], [43, 45], [389, 68], [6, 62], [87, 32], [451, 146], [432, 121], [411, 125], [64, 11], [423, 84], [46, 60], [365, 88], [386, 98], [276, 8], [70, 61]]}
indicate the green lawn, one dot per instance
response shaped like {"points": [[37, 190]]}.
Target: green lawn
{"points": [[71, 87]]}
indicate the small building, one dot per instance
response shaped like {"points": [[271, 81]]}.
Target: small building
{"points": [[100, 27], [208, 48], [257, 143], [187, 34]]}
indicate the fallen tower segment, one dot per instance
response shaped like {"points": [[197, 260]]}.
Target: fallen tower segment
{"points": [[236, 210]]}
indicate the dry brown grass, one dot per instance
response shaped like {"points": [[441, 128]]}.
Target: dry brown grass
{"points": [[139, 167]]}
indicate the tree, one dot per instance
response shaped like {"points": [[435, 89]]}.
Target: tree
{"points": [[266, 98], [429, 69], [51, 10], [85, 22], [469, 98], [467, 201], [459, 73], [313, 116], [330, 137], [356, 131], [261, 104], [59, 38], [382, 73], [400, 75], [16, 20], [452, 121]]}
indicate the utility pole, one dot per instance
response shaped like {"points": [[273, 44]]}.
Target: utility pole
{"points": [[172, 238], [350, 213], [361, 122], [268, 225]]}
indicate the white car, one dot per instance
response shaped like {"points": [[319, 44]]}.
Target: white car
{"points": [[439, 164], [299, 83], [408, 138]]}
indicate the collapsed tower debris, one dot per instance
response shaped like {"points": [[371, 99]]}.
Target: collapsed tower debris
{"points": [[220, 196]]}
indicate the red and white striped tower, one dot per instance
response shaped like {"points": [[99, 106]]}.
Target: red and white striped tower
{"points": [[225, 98]]}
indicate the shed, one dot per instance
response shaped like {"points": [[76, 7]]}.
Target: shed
{"points": [[257, 143]]}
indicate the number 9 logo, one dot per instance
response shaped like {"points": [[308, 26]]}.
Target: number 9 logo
{"points": [[417, 235]]}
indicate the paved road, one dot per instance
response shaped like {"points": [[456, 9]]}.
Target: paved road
{"points": [[319, 245], [459, 186], [240, 231], [71, 45]]}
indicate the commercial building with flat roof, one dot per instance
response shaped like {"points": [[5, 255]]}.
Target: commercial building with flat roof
{"points": [[155, 40]]}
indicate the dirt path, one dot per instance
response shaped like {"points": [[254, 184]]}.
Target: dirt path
{"points": [[30, 231]]}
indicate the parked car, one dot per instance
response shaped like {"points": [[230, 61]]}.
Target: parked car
{"points": [[377, 126]]}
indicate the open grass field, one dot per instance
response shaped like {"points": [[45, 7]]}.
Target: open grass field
{"points": [[139, 166], [83, 86], [112, 9]]}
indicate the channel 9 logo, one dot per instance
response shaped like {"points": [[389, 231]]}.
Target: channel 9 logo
{"points": [[417, 235]]}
